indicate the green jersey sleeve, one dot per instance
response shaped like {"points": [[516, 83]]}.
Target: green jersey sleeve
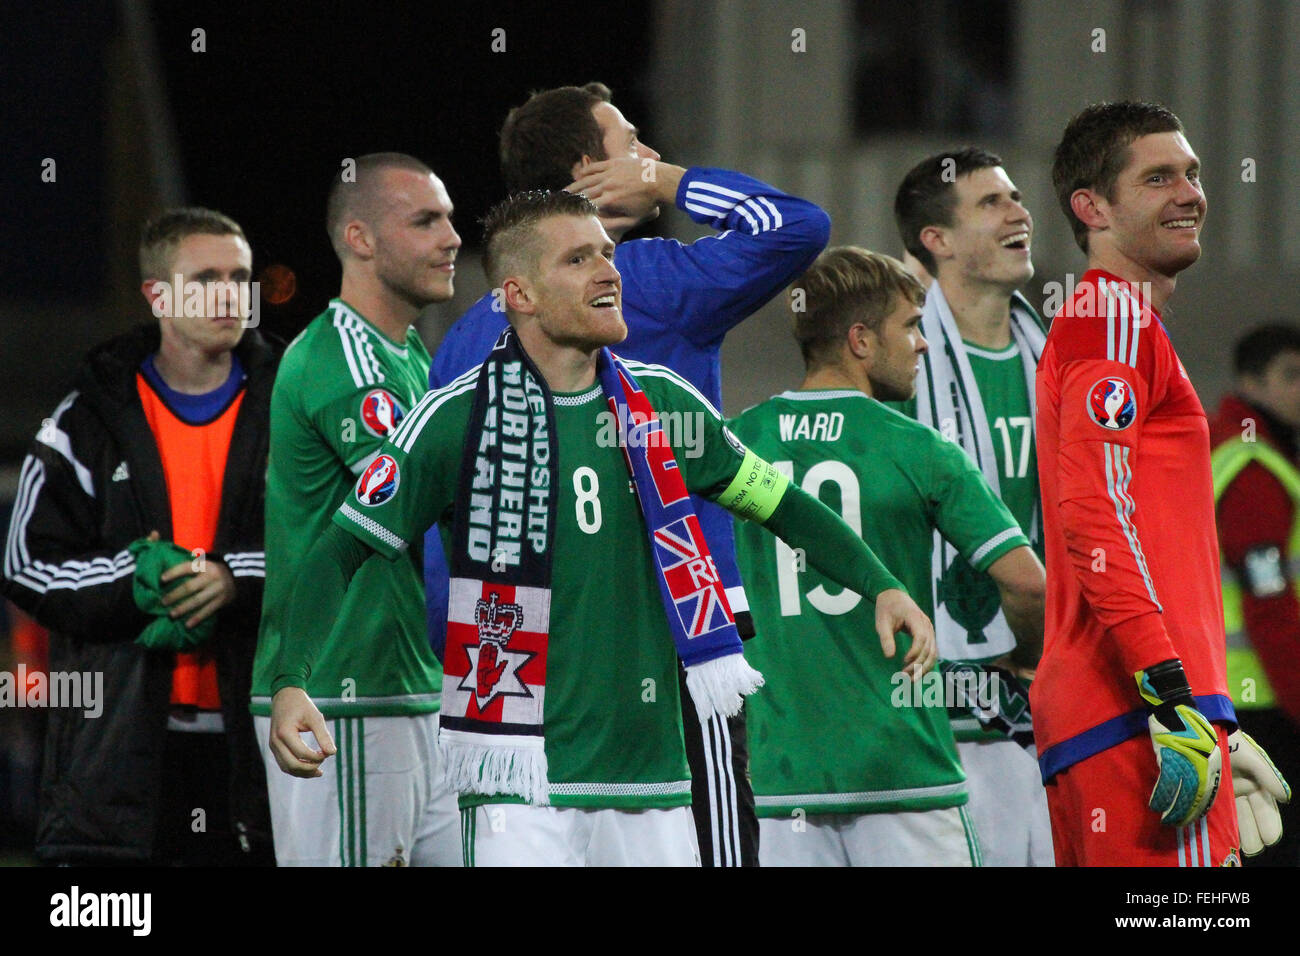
{"points": [[411, 481], [355, 422], [967, 512]]}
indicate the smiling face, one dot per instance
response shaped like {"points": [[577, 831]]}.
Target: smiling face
{"points": [[575, 292], [415, 244], [989, 240], [1158, 207]]}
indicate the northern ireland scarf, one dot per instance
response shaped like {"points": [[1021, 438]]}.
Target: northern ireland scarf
{"points": [[503, 534], [948, 400]]}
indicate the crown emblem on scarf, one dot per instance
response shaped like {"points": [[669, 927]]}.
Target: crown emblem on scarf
{"points": [[496, 622]]}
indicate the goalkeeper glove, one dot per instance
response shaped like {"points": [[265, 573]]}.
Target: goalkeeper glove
{"points": [[1186, 746], [1259, 787]]}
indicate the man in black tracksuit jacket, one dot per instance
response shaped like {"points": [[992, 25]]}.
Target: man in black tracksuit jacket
{"points": [[112, 787]]}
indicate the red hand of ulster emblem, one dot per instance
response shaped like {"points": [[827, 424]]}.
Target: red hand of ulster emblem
{"points": [[496, 622], [489, 671]]}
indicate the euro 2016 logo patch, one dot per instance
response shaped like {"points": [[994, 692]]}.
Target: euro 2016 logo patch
{"points": [[379, 482], [1111, 404], [380, 412]]}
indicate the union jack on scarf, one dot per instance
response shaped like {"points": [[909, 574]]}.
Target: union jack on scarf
{"points": [[689, 572], [695, 601]]}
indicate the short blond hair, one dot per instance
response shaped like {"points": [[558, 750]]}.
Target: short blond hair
{"points": [[162, 236], [844, 286], [510, 240]]}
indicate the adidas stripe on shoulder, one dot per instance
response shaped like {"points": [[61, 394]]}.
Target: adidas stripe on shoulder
{"points": [[411, 426], [358, 350]]}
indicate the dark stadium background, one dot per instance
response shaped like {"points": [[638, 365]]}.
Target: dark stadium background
{"points": [[264, 117]]}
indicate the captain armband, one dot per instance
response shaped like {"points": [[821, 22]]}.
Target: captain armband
{"points": [[755, 491]]}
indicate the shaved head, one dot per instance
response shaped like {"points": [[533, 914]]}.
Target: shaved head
{"points": [[363, 197]]}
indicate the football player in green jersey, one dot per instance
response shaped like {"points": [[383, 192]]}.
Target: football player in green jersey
{"points": [[345, 385], [590, 674], [963, 219], [897, 795]]}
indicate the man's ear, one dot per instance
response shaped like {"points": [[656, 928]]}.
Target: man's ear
{"points": [[358, 237], [155, 290], [578, 168], [518, 294], [1090, 208], [861, 341], [935, 240]]}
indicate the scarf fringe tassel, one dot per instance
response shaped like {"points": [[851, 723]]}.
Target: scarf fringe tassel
{"points": [[475, 766], [720, 685]]}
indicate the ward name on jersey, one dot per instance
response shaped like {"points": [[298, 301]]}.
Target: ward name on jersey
{"points": [[826, 733], [344, 387]]}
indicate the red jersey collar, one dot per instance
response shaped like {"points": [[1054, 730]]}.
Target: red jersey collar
{"points": [[1092, 275]]}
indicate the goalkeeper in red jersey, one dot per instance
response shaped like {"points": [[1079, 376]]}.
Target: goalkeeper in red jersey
{"points": [[1134, 658]]}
